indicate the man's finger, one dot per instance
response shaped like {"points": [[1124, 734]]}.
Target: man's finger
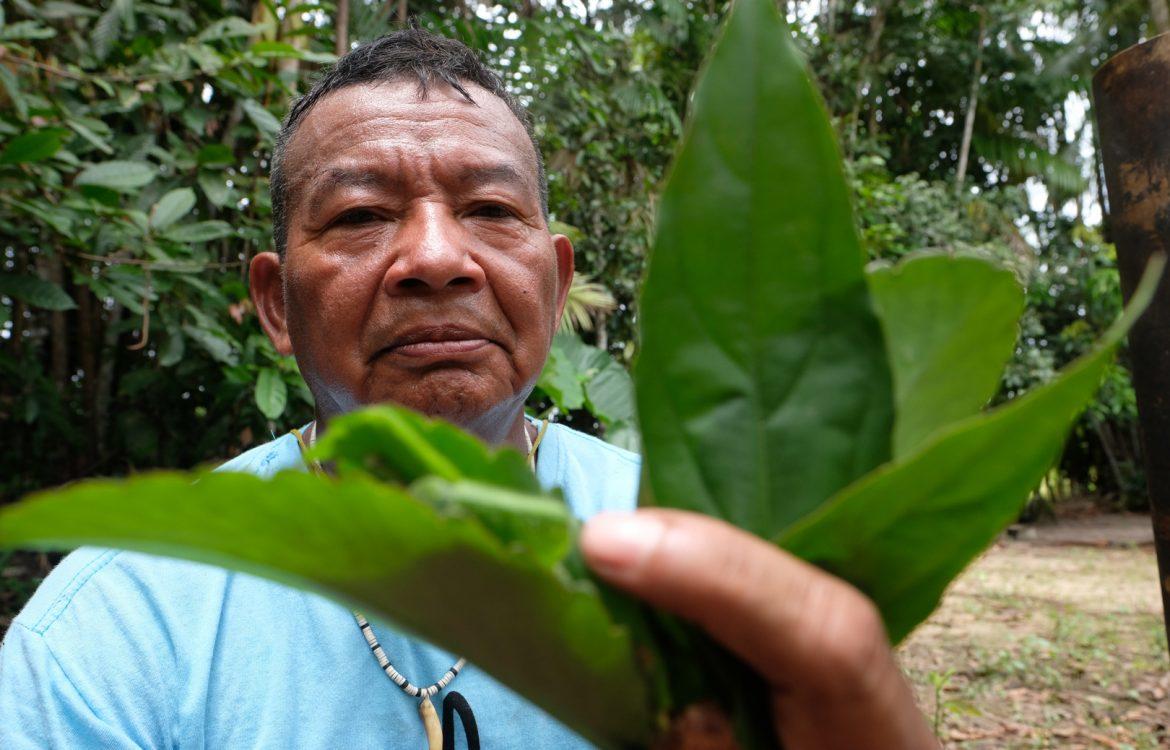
{"points": [[814, 638], [784, 617]]}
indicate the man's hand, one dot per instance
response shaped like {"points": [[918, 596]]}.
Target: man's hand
{"points": [[815, 639]]}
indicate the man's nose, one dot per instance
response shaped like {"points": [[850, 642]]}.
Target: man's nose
{"points": [[430, 254]]}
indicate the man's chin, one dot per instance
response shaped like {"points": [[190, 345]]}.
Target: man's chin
{"points": [[461, 400], [453, 407]]}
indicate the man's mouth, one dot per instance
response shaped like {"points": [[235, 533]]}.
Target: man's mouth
{"points": [[433, 342]]}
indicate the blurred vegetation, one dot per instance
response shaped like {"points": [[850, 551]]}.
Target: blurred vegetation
{"points": [[134, 139]]}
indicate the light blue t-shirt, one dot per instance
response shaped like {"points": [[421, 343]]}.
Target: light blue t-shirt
{"points": [[124, 650]]}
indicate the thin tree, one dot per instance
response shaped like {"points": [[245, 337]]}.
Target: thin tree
{"points": [[1160, 15], [972, 103], [341, 40]]}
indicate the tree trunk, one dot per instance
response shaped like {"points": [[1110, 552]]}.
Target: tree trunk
{"points": [[1110, 454], [19, 310], [104, 385], [972, 103], [600, 325], [289, 68], [58, 333], [877, 25], [1098, 169], [1160, 15], [341, 28], [831, 17], [88, 330], [403, 13], [1132, 108]]}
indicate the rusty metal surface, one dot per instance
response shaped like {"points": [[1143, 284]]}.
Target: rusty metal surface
{"points": [[1131, 94]]}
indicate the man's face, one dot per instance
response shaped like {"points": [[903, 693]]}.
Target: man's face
{"points": [[419, 267]]}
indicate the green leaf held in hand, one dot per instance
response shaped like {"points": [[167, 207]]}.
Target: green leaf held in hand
{"points": [[951, 324], [762, 383], [376, 546], [902, 533], [401, 446]]}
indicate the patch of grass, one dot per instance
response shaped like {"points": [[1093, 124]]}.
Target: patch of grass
{"points": [[1047, 647]]}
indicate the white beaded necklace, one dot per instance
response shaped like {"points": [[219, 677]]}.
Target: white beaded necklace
{"points": [[426, 710]]}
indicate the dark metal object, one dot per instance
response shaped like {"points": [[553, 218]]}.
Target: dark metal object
{"points": [[1131, 95]]}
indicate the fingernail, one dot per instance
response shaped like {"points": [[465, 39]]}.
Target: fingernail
{"points": [[617, 544]]}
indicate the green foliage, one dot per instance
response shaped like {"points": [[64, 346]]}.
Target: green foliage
{"points": [[580, 376], [35, 145], [271, 393], [35, 291], [586, 300], [94, 87], [460, 525], [133, 163]]}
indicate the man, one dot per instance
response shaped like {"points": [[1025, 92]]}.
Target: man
{"points": [[414, 264]]}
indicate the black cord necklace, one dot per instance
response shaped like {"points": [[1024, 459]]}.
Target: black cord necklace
{"points": [[439, 736]]}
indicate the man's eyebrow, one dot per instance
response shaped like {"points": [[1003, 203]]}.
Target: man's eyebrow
{"points": [[492, 173], [337, 178]]}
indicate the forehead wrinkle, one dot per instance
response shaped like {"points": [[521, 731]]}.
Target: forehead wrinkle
{"points": [[502, 173], [336, 178]]}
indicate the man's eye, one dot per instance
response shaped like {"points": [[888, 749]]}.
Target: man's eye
{"points": [[491, 211], [354, 217]]}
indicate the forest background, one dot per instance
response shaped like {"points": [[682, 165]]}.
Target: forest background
{"points": [[134, 146]]}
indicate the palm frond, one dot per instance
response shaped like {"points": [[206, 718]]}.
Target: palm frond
{"points": [[1023, 158], [586, 299]]}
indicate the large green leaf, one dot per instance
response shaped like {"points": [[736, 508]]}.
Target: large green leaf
{"points": [[215, 155], [89, 129], [218, 346], [35, 291], [171, 207], [215, 187], [264, 120], [951, 324], [611, 394], [271, 393], [123, 176], [36, 145], [200, 231], [762, 384], [402, 446], [902, 533], [373, 545], [586, 359], [561, 380], [578, 375]]}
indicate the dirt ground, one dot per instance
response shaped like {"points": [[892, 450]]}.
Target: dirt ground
{"points": [[1053, 639]]}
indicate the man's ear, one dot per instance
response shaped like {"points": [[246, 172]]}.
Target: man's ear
{"points": [[267, 289], [565, 266]]}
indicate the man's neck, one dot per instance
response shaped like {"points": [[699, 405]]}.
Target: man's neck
{"points": [[493, 428]]}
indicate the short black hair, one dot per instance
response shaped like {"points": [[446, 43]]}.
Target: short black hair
{"points": [[411, 53]]}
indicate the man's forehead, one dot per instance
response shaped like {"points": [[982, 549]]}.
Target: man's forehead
{"points": [[402, 110]]}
